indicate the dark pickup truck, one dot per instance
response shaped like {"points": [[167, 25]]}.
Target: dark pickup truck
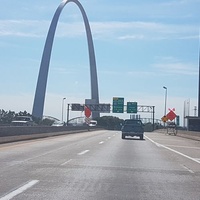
{"points": [[133, 127]]}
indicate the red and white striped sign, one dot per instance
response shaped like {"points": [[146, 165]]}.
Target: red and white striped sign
{"points": [[87, 120]]}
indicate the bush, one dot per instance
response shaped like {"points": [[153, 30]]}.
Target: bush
{"points": [[110, 122]]}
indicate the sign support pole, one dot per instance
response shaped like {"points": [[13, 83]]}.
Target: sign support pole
{"points": [[153, 116], [67, 113]]}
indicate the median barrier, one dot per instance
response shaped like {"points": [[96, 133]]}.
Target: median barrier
{"points": [[17, 133]]}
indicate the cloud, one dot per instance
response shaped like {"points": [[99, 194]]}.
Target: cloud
{"points": [[135, 30], [179, 2], [170, 65], [128, 73], [22, 28], [132, 37]]}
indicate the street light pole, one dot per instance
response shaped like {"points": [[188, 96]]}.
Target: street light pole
{"points": [[165, 112], [62, 107]]}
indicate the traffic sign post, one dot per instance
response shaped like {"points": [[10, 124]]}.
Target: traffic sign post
{"points": [[177, 120], [131, 107], [118, 105]]}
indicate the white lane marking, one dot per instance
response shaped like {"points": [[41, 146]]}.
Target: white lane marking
{"points": [[66, 162], [101, 142], [187, 169], [113, 135], [109, 138], [160, 145], [182, 146], [19, 190], [83, 152]]}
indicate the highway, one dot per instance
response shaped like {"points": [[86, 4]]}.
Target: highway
{"points": [[99, 165]]}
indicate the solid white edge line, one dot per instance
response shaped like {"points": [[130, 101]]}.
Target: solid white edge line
{"points": [[83, 152], [160, 145], [19, 190], [183, 147]]}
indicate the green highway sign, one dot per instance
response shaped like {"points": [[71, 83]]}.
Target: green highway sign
{"points": [[118, 105], [131, 107]]}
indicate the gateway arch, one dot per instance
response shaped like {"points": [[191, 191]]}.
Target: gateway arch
{"points": [[38, 105]]}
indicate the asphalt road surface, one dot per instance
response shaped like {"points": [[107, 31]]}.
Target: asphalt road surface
{"points": [[99, 165]]}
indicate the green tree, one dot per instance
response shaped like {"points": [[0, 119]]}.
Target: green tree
{"points": [[46, 122], [6, 116], [24, 113], [110, 122]]}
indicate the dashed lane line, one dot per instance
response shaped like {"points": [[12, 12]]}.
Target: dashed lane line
{"points": [[101, 142], [83, 152], [66, 162]]}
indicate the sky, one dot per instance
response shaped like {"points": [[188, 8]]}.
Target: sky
{"points": [[140, 46]]}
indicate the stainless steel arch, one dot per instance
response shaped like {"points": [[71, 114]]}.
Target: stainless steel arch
{"points": [[38, 105]]}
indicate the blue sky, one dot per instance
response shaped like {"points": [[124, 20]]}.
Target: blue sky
{"points": [[140, 46]]}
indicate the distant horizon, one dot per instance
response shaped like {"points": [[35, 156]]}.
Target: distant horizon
{"points": [[139, 47]]}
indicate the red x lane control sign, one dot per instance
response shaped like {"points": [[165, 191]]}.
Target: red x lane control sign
{"points": [[171, 115], [87, 112]]}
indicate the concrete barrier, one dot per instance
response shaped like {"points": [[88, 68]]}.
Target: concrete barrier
{"points": [[189, 134], [183, 133], [17, 133]]}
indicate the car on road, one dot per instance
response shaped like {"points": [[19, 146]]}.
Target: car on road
{"points": [[58, 123], [23, 121], [92, 123], [133, 127]]}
